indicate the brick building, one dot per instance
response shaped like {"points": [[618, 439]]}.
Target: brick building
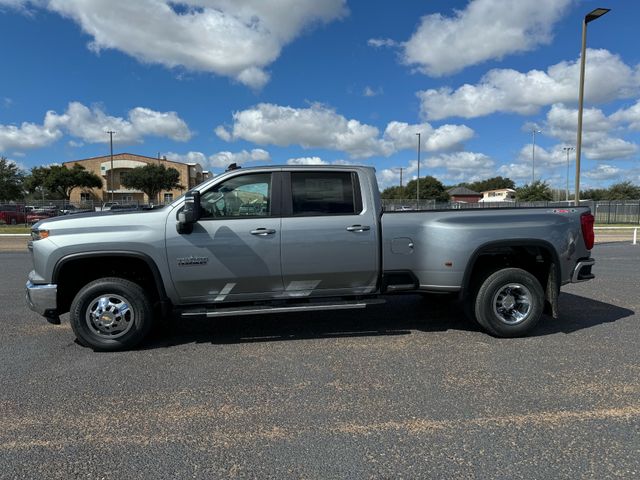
{"points": [[464, 195], [191, 174]]}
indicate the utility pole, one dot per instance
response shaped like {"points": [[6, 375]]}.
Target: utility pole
{"points": [[418, 182], [111, 132], [401, 169], [567, 150], [534, 130]]}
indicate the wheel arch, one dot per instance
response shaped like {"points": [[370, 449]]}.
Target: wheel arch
{"points": [[550, 279], [89, 266]]}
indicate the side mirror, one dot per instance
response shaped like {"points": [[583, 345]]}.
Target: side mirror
{"points": [[190, 213]]}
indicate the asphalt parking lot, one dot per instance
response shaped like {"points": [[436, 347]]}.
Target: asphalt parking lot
{"points": [[405, 390]]}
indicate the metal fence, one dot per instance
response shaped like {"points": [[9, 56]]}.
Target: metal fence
{"points": [[24, 213], [605, 211]]}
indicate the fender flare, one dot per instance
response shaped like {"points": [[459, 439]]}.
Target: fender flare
{"points": [[157, 277]]}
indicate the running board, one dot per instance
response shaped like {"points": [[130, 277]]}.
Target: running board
{"points": [[259, 309]]}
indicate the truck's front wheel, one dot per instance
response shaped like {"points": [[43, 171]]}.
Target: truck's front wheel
{"points": [[111, 314], [509, 303]]}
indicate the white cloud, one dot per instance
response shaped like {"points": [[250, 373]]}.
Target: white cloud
{"points": [[224, 159], [516, 171], [27, 136], [221, 159], [402, 136], [317, 126], [307, 161], [630, 115], [222, 133], [321, 127], [189, 157], [597, 142], [389, 177], [507, 90], [603, 172], [372, 92], [226, 37], [461, 161], [549, 158], [484, 30], [90, 125], [382, 42]]}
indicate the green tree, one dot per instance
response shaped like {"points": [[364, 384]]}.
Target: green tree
{"points": [[533, 192], [493, 183], [594, 194], [624, 191], [430, 188], [152, 178], [61, 181], [10, 180], [394, 193]]}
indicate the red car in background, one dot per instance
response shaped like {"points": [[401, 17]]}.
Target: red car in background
{"points": [[38, 214], [12, 214]]}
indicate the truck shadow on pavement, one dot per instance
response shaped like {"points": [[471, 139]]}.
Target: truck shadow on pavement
{"points": [[401, 315]]}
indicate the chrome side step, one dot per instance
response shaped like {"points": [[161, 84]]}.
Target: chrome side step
{"points": [[261, 309]]}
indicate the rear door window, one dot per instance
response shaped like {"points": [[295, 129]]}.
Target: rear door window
{"points": [[325, 193]]}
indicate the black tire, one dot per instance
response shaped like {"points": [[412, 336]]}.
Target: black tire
{"points": [[509, 303], [120, 322]]}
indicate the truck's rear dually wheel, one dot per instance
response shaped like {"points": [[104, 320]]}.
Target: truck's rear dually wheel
{"points": [[509, 303], [111, 314]]}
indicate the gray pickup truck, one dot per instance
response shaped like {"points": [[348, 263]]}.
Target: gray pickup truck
{"points": [[291, 239]]}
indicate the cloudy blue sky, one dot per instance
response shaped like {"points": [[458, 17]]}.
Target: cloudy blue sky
{"points": [[332, 81]]}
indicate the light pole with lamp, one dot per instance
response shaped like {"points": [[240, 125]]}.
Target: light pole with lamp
{"points": [[589, 17], [534, 130], [418, 182], [111, 132], [567, 149]]}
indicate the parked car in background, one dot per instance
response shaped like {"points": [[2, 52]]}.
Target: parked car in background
{"points": [[106, 206], [11, 214], [38, 214]]}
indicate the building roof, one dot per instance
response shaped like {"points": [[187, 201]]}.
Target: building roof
{"points": [[463, 191], [119, 155], [510, 190]]}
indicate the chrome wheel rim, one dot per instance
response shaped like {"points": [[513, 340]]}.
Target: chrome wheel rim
{"points": [[109, 316], [512, 303]]}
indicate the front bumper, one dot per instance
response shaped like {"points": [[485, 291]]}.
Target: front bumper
{"points": [[42, 299], [582, 271]]}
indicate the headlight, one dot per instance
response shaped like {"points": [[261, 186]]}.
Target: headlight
{"points": [[39, 234]]}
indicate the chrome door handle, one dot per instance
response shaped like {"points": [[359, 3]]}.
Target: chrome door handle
{"points": [[263, 231], [358, 228]]}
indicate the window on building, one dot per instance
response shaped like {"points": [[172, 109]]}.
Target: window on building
{"points": [[85, 197], [168, 198]]}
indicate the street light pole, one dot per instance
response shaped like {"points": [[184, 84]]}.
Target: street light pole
{"points": [[400, 169], [111, 132], [533, 154], [567, 149], [418, 182], [589, 17]]}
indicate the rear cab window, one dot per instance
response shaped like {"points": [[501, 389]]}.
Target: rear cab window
{"points": [[325, 193]]}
